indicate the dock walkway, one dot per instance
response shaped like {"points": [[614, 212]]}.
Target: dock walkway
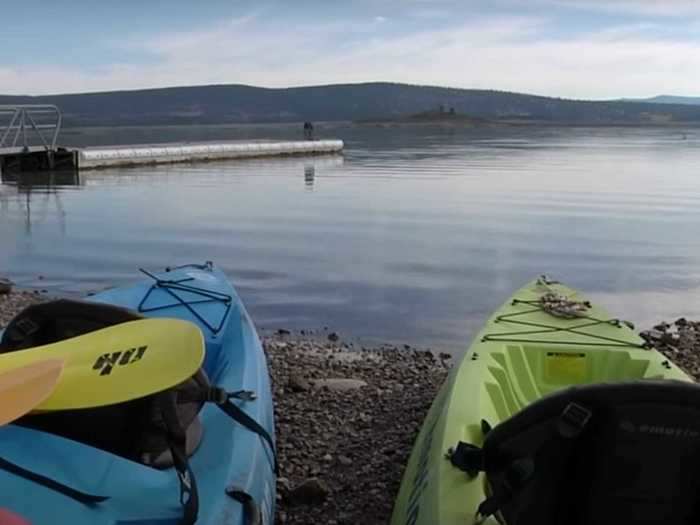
{"points": [[103, 157]]}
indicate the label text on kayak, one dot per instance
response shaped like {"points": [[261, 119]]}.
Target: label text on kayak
{"points": [[106, 362], [420, 481]]}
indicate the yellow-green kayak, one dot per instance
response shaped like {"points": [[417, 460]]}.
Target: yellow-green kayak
{"points": [[542, 340]]}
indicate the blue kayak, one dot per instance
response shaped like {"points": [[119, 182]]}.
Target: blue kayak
{"points": [[233, 466]]}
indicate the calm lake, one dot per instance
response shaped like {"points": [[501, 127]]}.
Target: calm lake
{"points": [[413, 236]]}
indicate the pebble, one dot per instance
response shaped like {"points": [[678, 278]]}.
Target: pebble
{"points": [[309, 492], [298, 383]]}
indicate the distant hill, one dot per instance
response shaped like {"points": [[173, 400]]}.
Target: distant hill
{"points": [[671, 99], [343, 102]]}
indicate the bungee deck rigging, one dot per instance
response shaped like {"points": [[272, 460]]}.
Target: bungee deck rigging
{"points": [[544, 328], [173, 286], [562, 307]]}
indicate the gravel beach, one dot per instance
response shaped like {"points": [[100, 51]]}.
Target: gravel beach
{"points": [[680, 342], [13, 302], [346, 421], [347, 416]]}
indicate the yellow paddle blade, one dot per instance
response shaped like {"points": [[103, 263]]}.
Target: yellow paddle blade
{"points": [[22, 389], [119, 363]]}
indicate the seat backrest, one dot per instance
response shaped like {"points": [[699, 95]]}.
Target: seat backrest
{"points": [[53, 321], [129, 429], [600, 454]]}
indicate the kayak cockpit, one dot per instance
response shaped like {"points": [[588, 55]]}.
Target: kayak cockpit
{"points": [[519, 374]]}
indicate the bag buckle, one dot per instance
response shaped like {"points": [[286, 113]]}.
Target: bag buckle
{"points": [[466, 457], [573, 420]]}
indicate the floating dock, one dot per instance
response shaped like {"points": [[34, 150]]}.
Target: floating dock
{"points": [[21, 125], [104, 157]]}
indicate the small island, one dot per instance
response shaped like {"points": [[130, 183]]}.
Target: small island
{"points": [[441, 115]]}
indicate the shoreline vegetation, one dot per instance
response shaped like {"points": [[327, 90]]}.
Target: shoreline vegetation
{"points": [[347, 416], [453, 119], [439, 116]]}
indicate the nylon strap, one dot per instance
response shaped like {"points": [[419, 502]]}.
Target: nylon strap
{"points": [[52, 484], [468, 458], [248, 422], [518, 473], [177, 441], [250, 509]]}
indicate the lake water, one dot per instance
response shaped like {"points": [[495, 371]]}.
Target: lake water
{"points": [[413, 236]]}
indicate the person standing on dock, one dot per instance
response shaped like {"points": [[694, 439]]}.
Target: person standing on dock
{"points": [[308, 131]]}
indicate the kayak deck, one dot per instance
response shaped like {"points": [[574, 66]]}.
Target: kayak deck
{"points": [[522, 354], [229, 455], [529, 353]]}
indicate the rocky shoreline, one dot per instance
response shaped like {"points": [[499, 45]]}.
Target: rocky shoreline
{"points": [[680, 342], [347, 416], [12, 302]]}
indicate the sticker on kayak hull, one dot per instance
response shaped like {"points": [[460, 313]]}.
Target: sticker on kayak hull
{"points": [[563, 367]]}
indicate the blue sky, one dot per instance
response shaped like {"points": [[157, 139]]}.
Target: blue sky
{"points": [[570, 48]]}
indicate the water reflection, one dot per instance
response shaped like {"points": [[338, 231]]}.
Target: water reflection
{"points": [[41, 180], [36, 194], [309, 176]]}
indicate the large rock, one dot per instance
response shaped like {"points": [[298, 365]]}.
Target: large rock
{"points": [[298, 383], [339, 384], [652, 336], [5, 286], [310, 492]]}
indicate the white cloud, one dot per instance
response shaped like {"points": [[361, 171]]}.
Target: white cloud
{"points": [[380, 19], [507, 53], [639, 7]]}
